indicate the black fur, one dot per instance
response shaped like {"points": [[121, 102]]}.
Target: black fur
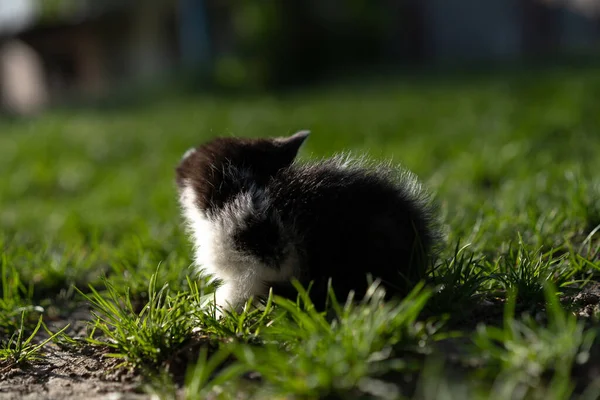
{"points": [[355, 221], [344, 219]]}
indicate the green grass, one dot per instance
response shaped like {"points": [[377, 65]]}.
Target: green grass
{"points": [[19, 350], [89, 216]]}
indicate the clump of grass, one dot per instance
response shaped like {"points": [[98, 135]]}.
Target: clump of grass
{"points": [[146, 338], [526, 356], [152, 337], [525, 272], [19, 350], [245, 326], [459, 282], [15, 300], [208, 378], [308, 355]]}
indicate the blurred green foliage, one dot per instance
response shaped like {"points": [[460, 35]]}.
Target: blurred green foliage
{"points": [[57, 11], [284, 42]]}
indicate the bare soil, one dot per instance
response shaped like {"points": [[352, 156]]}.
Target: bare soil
{"points": [[72, 372], [85, 374]]}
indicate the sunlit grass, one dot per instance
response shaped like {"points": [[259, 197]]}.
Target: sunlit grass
{"points": [[89, 217]]}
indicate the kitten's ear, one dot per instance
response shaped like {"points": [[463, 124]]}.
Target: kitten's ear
{"points": [[291, 145]]}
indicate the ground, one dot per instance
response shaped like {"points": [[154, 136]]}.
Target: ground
{"points": [[65, 374], [92, 242]]}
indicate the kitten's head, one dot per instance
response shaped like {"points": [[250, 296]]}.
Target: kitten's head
{"points": [[237, 233], [222, 167]]}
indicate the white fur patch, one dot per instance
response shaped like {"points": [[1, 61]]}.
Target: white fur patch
{"points": [[242, 275], [188, 153]]}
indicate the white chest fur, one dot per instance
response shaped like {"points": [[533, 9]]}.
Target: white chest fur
{"points": [[242, 275]]}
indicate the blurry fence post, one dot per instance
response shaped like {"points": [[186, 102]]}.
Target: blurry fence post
{"points": [[23, 88]]}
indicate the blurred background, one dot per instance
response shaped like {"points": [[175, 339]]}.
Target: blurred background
{"points": [[60, 51]]}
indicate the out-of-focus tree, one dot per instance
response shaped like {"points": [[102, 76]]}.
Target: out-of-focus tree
{"points": [[53, 11], [283, 42]]}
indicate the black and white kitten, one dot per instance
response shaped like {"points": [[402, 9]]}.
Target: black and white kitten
{"points": [[259, 219]]}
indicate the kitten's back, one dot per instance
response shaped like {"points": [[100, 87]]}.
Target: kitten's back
{"points": [[355, 217]]}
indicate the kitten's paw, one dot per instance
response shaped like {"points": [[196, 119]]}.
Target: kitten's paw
{"points": [[224, 301], [215, 310]]}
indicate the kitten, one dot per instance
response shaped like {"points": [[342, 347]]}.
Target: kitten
{"points": [[259, 219]]}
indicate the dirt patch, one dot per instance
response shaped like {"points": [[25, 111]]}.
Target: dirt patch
{"points": [[71, 375], [70, 372], [587, 301], [83, 371]]}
